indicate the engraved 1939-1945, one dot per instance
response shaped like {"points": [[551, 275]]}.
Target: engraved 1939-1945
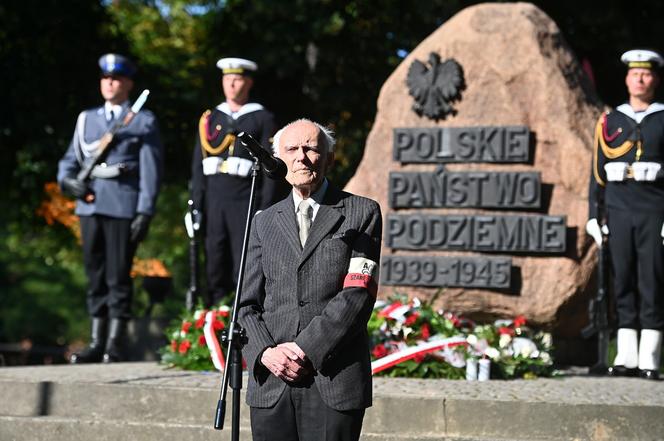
{"points": [[475, 271], [505, 233]]}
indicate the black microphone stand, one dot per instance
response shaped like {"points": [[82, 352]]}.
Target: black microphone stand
{"points": [[235, 336]]}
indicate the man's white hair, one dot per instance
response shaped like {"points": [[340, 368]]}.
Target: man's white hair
{"points": [[327, 135]]}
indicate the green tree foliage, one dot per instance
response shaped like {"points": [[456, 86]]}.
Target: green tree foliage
{"points": [[49, 72], [166, 40], [326, 60], [48, 53]]}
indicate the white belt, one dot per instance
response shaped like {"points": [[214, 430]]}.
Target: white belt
{"points": [[233, 165]]}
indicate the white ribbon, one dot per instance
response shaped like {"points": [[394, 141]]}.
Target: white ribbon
{"points": [[212, 342], [412, 351]]}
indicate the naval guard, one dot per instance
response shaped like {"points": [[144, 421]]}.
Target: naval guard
{"points": [[221, 173], [627, 176]]}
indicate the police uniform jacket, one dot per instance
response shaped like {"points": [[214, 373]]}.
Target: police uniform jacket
{"points": [[216, 143], [135, 157], [320, 297], [618, 138]]}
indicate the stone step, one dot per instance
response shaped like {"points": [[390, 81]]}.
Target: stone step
{"points": [[146, 398], [72, 429], [55, 428]]}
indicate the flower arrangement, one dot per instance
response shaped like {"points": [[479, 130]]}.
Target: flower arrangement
{"points": [[430, 344], [188, 347], [409, 339]]}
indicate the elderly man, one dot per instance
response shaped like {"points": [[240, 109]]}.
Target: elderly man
{"points": [[629, 154], [310, 287], [115, 208], [221, 169]]}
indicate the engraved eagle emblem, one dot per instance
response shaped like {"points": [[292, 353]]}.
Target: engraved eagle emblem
{"points": [[435, 87]]}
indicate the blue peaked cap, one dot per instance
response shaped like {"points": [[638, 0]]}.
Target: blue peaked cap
{"points": [[114, 64]]}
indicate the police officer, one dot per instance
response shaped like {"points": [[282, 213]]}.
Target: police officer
{"points": [[115, 206], [221, 171], [627, 175]]}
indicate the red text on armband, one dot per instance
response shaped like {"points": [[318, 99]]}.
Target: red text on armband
{"points": [[357, 280]]}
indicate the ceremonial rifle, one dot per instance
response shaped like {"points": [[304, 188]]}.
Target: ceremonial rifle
{"points": [[598, 307], [193, 224], [107, 139]]}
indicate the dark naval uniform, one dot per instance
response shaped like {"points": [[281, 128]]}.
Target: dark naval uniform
{"points": [[125, 185], [627, 179], [635, 210], [221, 183]]}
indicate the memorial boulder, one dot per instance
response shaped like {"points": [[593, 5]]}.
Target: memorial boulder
{"points": [[479, 157]]}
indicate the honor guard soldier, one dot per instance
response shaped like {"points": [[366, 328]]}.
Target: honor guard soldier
{"points": [[221, 173], [627, 176], [115, 206]]}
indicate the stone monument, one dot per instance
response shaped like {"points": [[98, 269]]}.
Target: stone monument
{"points": [[479, 157]]}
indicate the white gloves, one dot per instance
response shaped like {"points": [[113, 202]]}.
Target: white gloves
{"points": [[645, 171], [661, 233], [640, 171], [615, 172], [594, 230]]}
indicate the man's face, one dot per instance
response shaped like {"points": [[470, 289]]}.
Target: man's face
{"points": [[115, 88], [305, 156], [641, 83], [236, 87]]}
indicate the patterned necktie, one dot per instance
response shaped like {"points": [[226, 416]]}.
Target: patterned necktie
{"points": [[304, 212]]}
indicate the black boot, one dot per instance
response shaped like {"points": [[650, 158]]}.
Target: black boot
{"points": [[93, 353], [622, 371], [117, 334], [649, 374]]}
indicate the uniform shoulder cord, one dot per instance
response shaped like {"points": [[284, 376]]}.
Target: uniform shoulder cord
{"points": [[205, 136], [601, 138]]}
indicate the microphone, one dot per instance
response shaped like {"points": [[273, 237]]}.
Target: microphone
{"points": [[275, 168]]}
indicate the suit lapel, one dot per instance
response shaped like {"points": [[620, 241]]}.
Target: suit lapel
{"points": [[288, 224], [329, 215]]}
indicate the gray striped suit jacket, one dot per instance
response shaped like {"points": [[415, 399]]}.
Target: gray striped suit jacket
{"points": [[308, 296]]}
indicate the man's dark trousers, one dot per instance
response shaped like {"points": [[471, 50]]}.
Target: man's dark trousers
{"points": [[108, 255], [301, 415], [637, 255]]}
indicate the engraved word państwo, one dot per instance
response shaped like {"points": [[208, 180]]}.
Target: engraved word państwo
{"points": [[481, 189]]}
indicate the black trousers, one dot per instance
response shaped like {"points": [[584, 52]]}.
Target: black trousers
{"points": [[301, 415], [107, 255], [224, 232], [637, 256]]}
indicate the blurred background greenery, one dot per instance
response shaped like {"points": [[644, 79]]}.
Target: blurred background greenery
{"points": [[323, 59]]}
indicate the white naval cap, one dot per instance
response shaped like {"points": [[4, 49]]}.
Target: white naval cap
{"points": [[236, 66], [643, 58]]}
